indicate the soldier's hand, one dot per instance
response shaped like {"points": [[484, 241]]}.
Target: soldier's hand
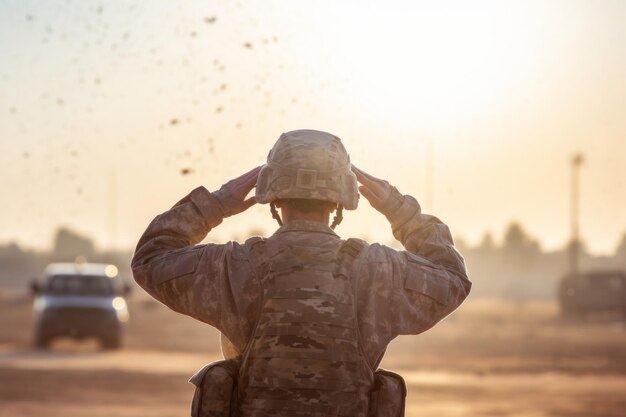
{"points": [[232, 195], [375, 190]]}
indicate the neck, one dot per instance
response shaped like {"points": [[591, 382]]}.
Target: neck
{"points": [[292, 215]]}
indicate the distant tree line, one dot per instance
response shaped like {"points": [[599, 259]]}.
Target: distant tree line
{"points": [[18, 266], [518, 268]]}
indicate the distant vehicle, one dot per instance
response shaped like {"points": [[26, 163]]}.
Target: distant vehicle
{"points": [[80, 300], [593, 292]]}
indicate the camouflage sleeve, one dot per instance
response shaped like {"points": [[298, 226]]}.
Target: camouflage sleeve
{"points": [[408, 292], [202, 281]]}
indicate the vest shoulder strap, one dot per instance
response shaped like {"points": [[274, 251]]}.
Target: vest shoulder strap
{"points": [[263, 250], [254, 240], [353, 247]]}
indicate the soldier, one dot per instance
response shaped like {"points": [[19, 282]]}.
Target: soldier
{"points": [[305, 316]]}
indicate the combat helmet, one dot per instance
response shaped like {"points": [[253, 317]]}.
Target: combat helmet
{"points": [[308, 164]]}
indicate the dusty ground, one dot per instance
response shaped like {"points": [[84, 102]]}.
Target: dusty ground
{"points": [[489, 359]]}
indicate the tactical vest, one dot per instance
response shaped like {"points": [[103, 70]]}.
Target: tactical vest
{"points": [[304, 356]]}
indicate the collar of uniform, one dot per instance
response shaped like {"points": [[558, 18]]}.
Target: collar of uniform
{"points": [[305, 226]]}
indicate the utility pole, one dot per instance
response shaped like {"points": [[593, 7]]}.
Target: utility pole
{"points": [[574, 258], [112, 209]]}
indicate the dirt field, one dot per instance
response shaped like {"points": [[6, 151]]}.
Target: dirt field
{"points": [[489, 359]]}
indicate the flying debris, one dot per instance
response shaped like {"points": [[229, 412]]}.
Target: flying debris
{"points": [[220, 89], [247, 45], [186, 171], [218, 65], [210, 19], [174, 122]]}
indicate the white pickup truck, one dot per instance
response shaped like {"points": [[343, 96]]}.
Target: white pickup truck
{"points": [[80, 300]]}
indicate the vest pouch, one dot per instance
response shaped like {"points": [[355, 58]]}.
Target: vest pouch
{"points": [[216, 390], [388, 396]]}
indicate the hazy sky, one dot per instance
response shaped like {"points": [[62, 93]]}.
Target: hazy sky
{"points": [[104, 106]]}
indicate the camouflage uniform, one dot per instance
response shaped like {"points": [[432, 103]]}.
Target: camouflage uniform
{"points": [[395, 292]]}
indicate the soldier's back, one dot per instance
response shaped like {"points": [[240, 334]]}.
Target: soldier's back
{"points": [[304, 356]]}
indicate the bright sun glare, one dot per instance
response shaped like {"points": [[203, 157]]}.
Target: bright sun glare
{"points": [[431, 66]]}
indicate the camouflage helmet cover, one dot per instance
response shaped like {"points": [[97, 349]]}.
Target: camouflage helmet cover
{"points": [[308, 164]]}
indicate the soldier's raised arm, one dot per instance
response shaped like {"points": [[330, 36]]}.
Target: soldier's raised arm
{"points": [[408, 292], [189, 278]]}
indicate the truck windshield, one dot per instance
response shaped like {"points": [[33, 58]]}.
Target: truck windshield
{"points": [[79, 285]]}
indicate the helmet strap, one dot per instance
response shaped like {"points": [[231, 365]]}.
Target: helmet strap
{"points": [[338, 217], [336, 220], [275, 213]]}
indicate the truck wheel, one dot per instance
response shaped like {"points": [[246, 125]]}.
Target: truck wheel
{"points": [[111, 342], [42, 341], [573, 312]]}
